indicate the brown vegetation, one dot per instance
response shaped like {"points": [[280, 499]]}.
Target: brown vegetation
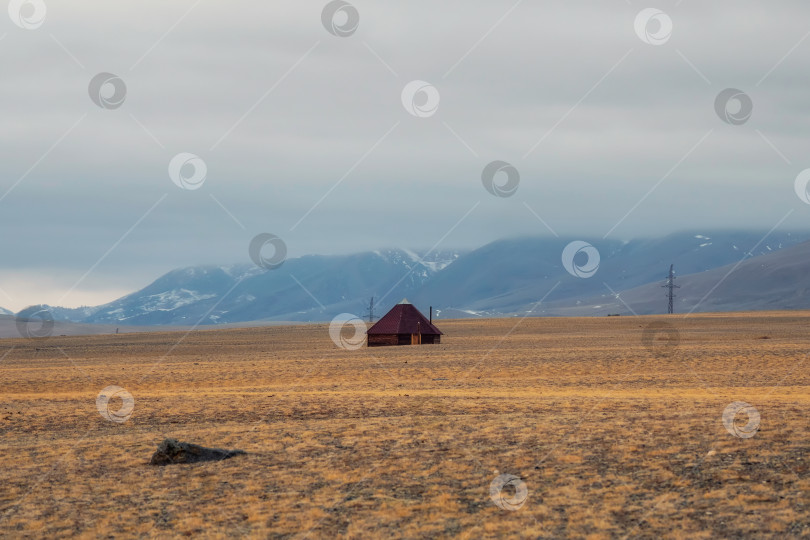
{"points": [[611, 438]]}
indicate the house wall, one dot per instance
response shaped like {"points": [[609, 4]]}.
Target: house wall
{"points": [[379, 340]]}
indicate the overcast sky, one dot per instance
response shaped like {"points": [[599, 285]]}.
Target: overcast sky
{"points": [[610, 122]]}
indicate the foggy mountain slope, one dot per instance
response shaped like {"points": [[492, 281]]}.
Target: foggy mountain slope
{"points": [[779, 280], [502, 278], [510, 276]]}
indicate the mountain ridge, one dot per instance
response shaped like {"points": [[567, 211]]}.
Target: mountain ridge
{"points": [[502, 278]]}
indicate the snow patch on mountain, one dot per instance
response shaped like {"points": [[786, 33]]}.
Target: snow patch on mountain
{"points": [[430, 263], [241, 271], [171, 300]]}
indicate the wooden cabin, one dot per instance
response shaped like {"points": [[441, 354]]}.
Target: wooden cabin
{"points": [[403, 325]]}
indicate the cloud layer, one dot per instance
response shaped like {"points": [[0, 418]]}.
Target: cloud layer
{"points": [[304, 134]]}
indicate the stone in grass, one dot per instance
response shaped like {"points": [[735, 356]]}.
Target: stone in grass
{"points": [[173, 451]]}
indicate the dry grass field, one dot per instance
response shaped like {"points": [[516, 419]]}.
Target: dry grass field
{"points": [[613, 436]]}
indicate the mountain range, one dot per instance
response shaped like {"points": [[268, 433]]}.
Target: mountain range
{"points": [[722, 271]]}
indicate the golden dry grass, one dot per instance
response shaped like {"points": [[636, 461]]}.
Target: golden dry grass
{"points": [[610, 439]]}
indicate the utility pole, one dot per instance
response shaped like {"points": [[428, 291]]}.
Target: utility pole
{"points": [[670, 286], [371, 310]]}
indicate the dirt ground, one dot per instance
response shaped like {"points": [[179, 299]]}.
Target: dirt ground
{"points": [[591, 427]]}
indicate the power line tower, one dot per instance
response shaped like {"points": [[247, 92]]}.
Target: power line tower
{"points": [[370, 310], [670, 286]]}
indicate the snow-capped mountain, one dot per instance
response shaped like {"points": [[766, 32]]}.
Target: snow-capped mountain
{"points": [[510, 276], [503, 278], [308, 288], [779, 280]]}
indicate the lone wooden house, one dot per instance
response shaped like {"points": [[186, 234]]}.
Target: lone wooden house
{"points": [[403, 325]]}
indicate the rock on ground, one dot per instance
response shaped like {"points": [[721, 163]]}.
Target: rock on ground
{"points": [[173, 451]]}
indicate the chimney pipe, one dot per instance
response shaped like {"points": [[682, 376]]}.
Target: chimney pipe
{"points": [[431, 314]]}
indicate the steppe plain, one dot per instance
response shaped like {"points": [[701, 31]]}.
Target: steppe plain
{"points": [[613, 425]]}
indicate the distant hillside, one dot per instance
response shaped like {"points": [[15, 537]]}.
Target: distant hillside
{"points": [[311, 288], [504, 278], [509, 276], [779, 280]]}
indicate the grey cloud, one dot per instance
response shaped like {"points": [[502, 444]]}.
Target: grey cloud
{"points": [[518, 85]]}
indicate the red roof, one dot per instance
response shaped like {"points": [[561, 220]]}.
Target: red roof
{"points": [[403, 318]]}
